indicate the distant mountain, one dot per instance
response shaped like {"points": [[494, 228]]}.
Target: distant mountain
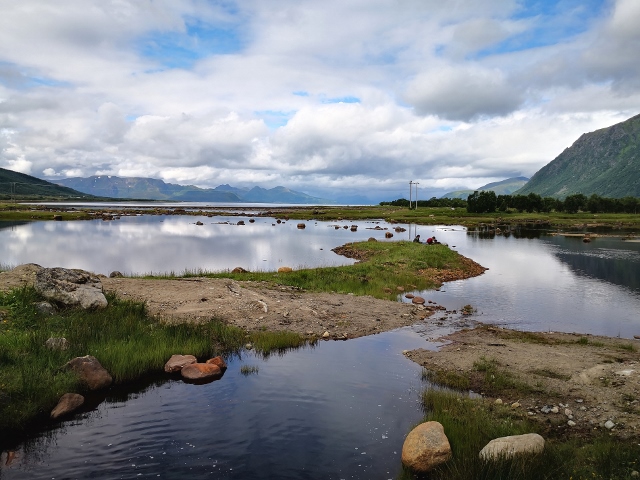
{"points": [[19, 185], [605, 162], [504, 187], [154, 189]]}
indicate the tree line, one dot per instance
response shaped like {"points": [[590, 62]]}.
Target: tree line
{"points": [[487, 201]]}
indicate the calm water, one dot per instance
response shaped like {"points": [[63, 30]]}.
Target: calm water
{"points": [[339, 410]]}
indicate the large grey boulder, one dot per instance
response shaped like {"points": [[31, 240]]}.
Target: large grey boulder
{"points": [[91, 372], [507, 447], [68, 403], [70, 287], [426, 447]]}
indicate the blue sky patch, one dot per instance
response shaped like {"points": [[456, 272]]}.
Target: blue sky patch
{"points": [[183, 49], [347, 99], [553, 22], [275, 118]]}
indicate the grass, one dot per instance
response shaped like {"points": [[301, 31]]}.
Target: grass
{"points": [[383, 266], [123, 337], [471, 423], [247, 370], [495, 378]]}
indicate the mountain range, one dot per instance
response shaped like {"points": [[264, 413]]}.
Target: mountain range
{"points": [[504, 187], [20, 185], [605, 162], [154, 189]]}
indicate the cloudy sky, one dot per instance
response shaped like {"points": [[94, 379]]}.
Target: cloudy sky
{"points": [[331, 97]]}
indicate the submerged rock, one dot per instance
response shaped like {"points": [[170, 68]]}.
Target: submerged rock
{"points": [[426, 447], [69, 402]]}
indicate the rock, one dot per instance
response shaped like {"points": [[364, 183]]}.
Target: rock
{"points": [[241, 222], [400, 289], [301, 226], [70, 287], [252, 220], [199, 223], [200, 371], [178, 362], [515, 405], [239, 270], [248, 346], [354, 228], [388, 235], [498, 401], [57, 218], [609, 424], [426, 447], [571, 423], [371, 239], [57, 343], [116, 274], [635, 473], [326, 335], [568, 412], [409, 295], [554, 410], [285, 270], [45, 308], [507, 447], [91, 373], [218, 361], [418, 300], [68, 403]]}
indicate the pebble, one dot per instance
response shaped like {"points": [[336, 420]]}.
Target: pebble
{"points": [[554, 410], [515, 405], [498, 401], [325, 335], [571, 423], [609, 424], [568, 412]]}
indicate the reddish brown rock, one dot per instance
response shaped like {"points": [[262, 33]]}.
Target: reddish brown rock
{"points": [[218, 361], [178, 362], [409, 295], [201, 371], [418, 300], [68, 403], [426, 447], [91, 372], [388, 235]]}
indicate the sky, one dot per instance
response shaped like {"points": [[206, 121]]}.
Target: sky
{"points": [[342, 99]]}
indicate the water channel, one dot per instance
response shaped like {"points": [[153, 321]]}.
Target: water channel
{"points": [[337, 410]]}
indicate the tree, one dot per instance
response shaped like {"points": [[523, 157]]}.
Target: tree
{"points": [[482, 202], [575, 203]]}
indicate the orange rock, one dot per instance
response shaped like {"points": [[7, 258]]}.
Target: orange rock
{"points": [[217, 361], [200, 371], [418, 300]]}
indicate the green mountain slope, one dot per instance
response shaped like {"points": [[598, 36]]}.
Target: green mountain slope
{"points": [[605, 162], [504, 187], [15, 185]]}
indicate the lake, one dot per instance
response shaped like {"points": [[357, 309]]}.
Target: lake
{"points": [[338, 410]]}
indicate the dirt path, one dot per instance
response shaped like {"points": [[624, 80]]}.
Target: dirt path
{"points": [[589, 380], [255, 305]]}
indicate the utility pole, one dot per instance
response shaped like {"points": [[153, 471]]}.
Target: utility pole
{"points": [[416, 184], [410, 192]]}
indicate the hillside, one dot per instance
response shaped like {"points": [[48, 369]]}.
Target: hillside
{"points": [[154, 189], [504, 187], [15, 185], [605, 162]]}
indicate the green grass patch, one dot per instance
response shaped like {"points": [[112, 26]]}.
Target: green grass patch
{"points": [[587, 341], [447, 378], [247, 370], [496, 379], [471, 423], [382, 267], [123, 337]]}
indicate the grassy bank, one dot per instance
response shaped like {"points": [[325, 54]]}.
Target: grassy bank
{"points": [[381, 269], [471, 423], [392, 214], [124, 338]]}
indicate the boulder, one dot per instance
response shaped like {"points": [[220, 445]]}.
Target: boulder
{"points": [[91, 373], [388, 235], [507, 447], [70, 287], [116, 274], [201, 371], [409, 295], [241, 222], [217, 361], [199, 223], [178, 362], [239, 270], [69, 402], [418, 300], [57, 343], [301, 226], [371, 239], [45, 308], [426, 447], [285, 270]]}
